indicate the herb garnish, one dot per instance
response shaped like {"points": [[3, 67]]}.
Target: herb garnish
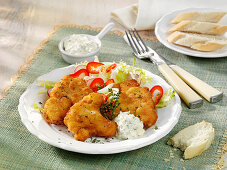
{"points": [[100, 87], [112, 102]]}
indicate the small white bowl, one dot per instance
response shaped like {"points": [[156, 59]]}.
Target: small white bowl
{"points": [[73, 58]]}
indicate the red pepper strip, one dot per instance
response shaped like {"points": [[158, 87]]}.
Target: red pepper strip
{"points": [[112, 66], [49, 90], [80, 73], [110, 81], [159, 96], [92, 67], [89, 81], [79, 67], [96, 83]]}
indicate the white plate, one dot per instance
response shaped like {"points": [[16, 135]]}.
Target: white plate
{"points": [[162, 27], [60, 137]]}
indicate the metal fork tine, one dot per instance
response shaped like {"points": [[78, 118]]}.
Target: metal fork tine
{"points": [[130, 42], [141, 40], [138, 50], [143, 50]]}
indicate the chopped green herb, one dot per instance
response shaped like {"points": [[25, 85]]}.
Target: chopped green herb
{"points": [[134, 62], [112, 102], [95, 141], [156, 127], [36, 107], [100, 87]]}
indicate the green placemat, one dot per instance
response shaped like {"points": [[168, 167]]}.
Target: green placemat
{"points": [[19, 149]]}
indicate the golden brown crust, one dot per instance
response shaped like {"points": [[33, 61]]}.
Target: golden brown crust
{"points": [[85, 120], [138, 100], [55, 110], [64, 94]]}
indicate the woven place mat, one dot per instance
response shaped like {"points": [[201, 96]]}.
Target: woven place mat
{"points": [[19, 149]]}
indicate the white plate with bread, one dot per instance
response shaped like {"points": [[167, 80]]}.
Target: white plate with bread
{"points": [[199, 32]]}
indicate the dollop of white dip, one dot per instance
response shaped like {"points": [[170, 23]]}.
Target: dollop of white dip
{"points": [[80, 44], [129, 126]]}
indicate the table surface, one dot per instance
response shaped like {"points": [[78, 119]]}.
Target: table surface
{"points": [[24, 24]]}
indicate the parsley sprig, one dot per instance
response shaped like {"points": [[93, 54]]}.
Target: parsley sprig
{"points": [[112, 102]]}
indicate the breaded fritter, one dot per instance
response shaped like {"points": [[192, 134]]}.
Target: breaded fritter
{"points": [[125, 85], [55, 109], [85, 120], [138, 100], [64, 94], [74, 88]]}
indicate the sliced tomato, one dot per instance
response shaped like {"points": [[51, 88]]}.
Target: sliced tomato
{"points": [[79, 67], [80, 73], [110, 81], [158, 96], [112, 66], [93, 67], [96, 84], [49, 90]]}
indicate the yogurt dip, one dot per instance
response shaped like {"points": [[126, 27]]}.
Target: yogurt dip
{"points": [[129, 126], [80, 44]]}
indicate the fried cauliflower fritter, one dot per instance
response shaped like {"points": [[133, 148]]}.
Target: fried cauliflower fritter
{"points": [[138, 100], [85, 120], [55, 109], [125, 85], [64, 94]]}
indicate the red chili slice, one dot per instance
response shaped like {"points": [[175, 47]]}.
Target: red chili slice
{"points": [[49, 90], [80, 74], [79, 67], [89, 81], [159, 96], [112, 66], [92, 67], [96, 84], [110, 81]]}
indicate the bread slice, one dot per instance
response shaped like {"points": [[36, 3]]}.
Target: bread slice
{"points": [[199, 27], [197, 41], [194, 139], [199, 16]]}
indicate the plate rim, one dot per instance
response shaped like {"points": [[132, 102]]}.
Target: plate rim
{"points": [[32, 129], [176, 48]]}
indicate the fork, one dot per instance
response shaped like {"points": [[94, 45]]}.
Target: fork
{"points": [[175, 75]]}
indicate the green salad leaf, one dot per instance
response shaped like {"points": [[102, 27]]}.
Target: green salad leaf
{"points": [[36, 107], [46, 85], [167, 98], [125, 70]]}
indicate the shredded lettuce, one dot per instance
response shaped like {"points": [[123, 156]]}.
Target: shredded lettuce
{"points": [[36, 107], [134, 62], [46, 85], [167, 99], [121, 76], [81, 63], [124, 71]]}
